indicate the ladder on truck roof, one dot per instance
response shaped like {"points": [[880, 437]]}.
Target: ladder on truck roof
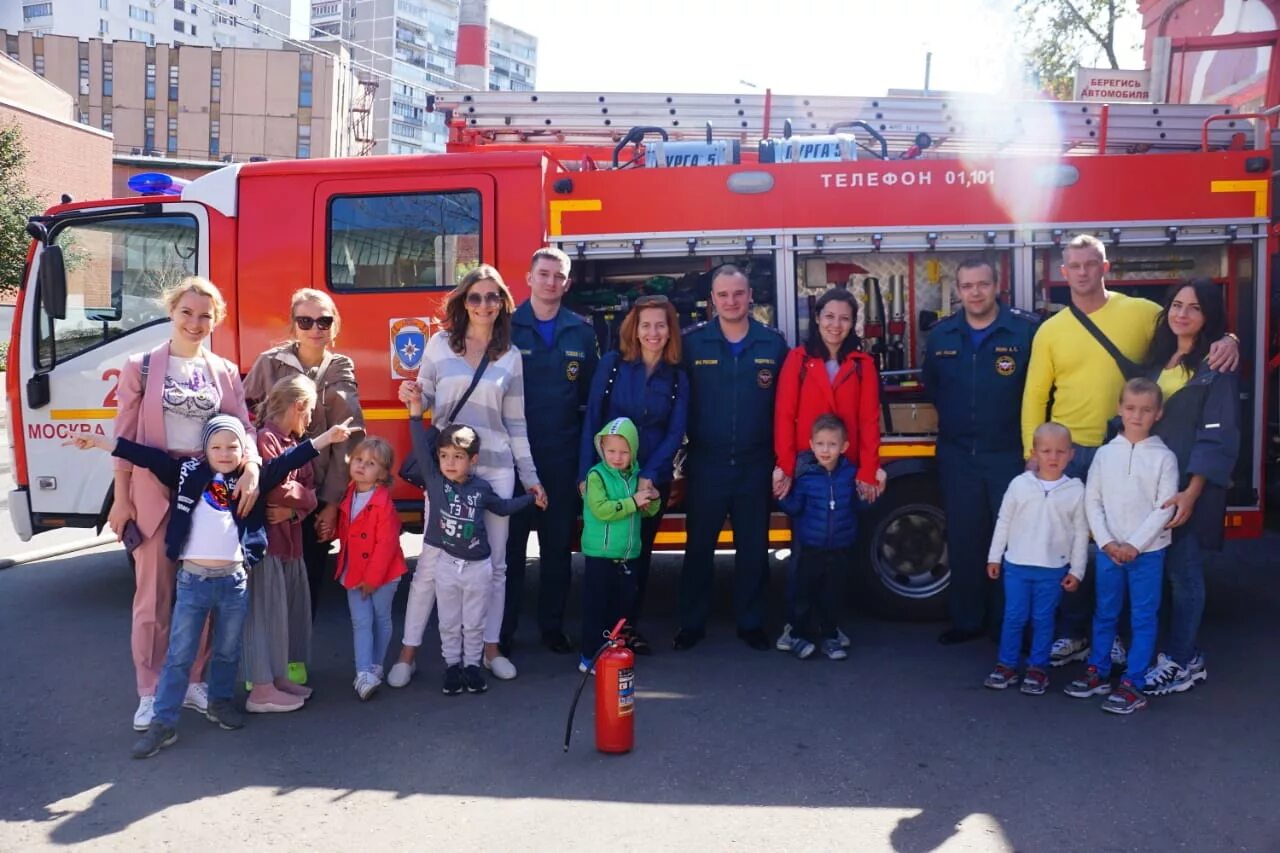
{"points": [[958, 125]]}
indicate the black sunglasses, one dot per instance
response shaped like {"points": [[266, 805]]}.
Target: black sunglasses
{"points": [[305, 323], [492, 298]]}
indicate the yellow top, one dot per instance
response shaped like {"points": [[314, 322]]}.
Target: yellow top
{"points": [[1084, 378], [1172, 379]]}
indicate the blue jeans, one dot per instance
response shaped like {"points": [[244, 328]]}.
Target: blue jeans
{"points": [[371, 624], [227, 599], [1030, 592], [1184, 565], [1143, 578]]}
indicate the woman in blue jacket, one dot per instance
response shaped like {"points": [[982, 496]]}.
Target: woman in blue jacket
{"points": [[1200, 424], [643, 382]]}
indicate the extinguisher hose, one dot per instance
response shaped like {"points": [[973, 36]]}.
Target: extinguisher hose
{"points": [[610, 642]]}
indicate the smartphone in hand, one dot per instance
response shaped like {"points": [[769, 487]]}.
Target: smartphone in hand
{"points": [[131, 536]]}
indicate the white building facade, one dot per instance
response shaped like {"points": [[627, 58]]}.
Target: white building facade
{"points": [[209, 23]]}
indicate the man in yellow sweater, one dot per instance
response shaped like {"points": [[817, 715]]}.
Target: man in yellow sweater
{"points": [[1084, 381]]}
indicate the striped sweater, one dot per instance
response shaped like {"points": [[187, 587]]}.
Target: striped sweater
{"points": [[495, 410]]}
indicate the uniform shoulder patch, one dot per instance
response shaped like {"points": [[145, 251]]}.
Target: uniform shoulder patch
{"points": [[696, 327], [1022, 314]]}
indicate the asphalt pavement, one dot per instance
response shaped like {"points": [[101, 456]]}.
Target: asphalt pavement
{"points": [[898, 748]]}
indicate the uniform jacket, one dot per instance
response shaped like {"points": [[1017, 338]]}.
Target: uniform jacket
{"points": [[1126, 488], [559, 381], [1044, 529], [371, 543], [731, 399], [140, 419], [297, 491], [455, 511], [1201, 425], [657, 404], [978, 393], [190, 476], [337, 398], [611, 519], [804, 393], [824, 504]]}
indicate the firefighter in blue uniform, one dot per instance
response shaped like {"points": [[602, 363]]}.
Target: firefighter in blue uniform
{"points": [[975, 367], [733, 363], [559, 352]]}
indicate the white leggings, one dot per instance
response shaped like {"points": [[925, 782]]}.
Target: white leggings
{"points": [[422, 590]]}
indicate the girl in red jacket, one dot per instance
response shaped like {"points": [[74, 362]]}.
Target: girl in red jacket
{"points": [[371, 562], [828, 375]]}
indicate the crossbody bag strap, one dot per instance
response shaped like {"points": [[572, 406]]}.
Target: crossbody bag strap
{"points": [[1128, 369], [466, 395]]}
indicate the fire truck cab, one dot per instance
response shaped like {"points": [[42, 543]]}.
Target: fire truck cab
{"points": [[885, 205]]}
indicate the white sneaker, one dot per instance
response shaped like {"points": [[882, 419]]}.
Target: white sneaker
{"points": [[401, 673], [143, 716], [365, 685], [378, 671], [501, 668], [1068, 649], [1119, 655], [197, 698], [785, 641]]}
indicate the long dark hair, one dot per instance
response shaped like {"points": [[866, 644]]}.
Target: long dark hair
{"points": [[813, 345], [1165, 342], [455, 310]]}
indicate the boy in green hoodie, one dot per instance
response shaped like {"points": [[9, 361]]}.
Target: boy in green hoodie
{"points": [[611, 533]]}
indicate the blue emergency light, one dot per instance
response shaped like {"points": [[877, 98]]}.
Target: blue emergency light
{"points": [[157, 183]]}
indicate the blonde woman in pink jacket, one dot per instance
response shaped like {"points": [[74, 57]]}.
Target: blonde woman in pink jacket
{"points": [[165, 397]]}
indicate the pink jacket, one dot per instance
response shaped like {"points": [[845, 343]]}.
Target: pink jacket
{"points": [[140, 418]]}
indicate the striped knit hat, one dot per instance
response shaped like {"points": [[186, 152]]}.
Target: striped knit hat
{"points": [[217, 423]]}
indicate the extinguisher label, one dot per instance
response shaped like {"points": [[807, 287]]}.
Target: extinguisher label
{"points": [[626, 691]]}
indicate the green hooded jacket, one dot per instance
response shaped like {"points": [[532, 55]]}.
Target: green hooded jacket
{"points": [[611, 523]]}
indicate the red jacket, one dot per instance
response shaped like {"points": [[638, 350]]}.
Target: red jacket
{"points": [[371, 544], [854, 397]]}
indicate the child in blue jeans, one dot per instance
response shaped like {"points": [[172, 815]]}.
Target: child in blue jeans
{"points": [[1128, 502], [1041, 546], [215, 548]]}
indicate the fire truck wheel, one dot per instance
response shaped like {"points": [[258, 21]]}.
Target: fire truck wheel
{"points": [[902, 570]]}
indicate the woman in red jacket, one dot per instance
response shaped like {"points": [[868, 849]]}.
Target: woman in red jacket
{"points": [[828, 374]]}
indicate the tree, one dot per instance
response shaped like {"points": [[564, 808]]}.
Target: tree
{"points": [[16, 204], [1060, 34]]}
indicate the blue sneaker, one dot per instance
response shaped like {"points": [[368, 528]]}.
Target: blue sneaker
{"points": [[832, 648], [802, 648]]}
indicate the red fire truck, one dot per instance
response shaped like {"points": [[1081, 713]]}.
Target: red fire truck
{"points": [[648, 193]]}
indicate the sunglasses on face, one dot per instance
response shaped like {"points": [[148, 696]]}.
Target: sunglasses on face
{"points": [[305, 323], [476, 300]]}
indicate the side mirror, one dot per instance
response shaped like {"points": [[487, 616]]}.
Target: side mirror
{"points": [[53, 282]]}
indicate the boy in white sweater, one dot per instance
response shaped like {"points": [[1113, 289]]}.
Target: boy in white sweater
{"points": [[1040, 545], [1131, 481]]}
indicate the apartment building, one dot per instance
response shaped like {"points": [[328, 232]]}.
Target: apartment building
{"points": [[203, 103], [213, 23], [411, 44]]}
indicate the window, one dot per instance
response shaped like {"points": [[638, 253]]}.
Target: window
{"points": [[103, 27], [321, 10], [142, 36], [107, 71], [37, 10], [403, 242], [215, 77], [138, 13], [172, 146], [179, 26], [173, 82], [304, 80], [106, 121], [116, 269], [39, 64], [84, 68], [180, 5], [151, 81], [193, 29], [104, 4], [304, 141], [149, 134], [215, 131], [399, 128]]}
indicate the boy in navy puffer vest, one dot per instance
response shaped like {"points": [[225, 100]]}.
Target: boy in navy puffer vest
{"points": [[824, 503]]}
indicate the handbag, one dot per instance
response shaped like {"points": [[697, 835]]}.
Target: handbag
{"points": [[409, 470]]}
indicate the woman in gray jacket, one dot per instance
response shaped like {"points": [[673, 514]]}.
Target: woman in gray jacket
{"points": [[1200, 424]]}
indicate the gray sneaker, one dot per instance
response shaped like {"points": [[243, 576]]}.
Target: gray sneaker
{"points": [[224, 713], [786, 642], [833, 649], [156, 738]]}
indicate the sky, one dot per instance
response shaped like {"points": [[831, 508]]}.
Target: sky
{"points": [[808, 47]]}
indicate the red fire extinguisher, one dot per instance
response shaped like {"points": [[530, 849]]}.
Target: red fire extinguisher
{"points": [[614, 669]]}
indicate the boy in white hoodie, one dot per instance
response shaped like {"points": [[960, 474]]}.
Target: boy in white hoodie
{"points": [[1041, 545], [1130, 484]]}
